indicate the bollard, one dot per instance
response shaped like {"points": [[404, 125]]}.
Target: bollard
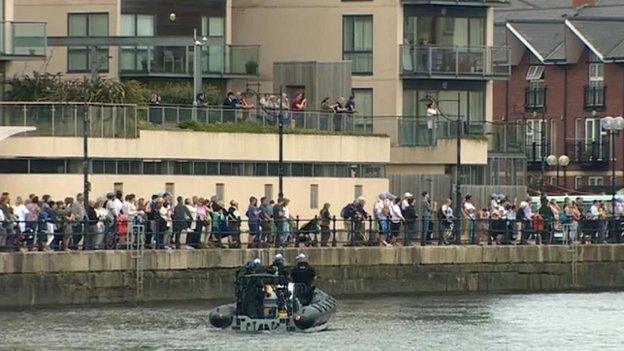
{"points": [[296, 236], [334, 231], [371, 232]]}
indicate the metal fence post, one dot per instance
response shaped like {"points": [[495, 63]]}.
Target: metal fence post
{"points": [[334, 231]]}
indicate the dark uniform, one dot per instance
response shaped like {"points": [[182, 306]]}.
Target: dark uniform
{"points": [[303, 276]]}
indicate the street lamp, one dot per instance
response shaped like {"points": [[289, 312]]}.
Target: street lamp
{"points": [[562, 161], [280, 131], [199, 43], [612, 125]]}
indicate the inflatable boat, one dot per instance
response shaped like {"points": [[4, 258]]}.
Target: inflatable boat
{"points": [[266, 302]]}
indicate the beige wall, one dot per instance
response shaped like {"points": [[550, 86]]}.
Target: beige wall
{"points": [[474, 152], [336, 191], [54, 12], [199, 145], [312, 30]]}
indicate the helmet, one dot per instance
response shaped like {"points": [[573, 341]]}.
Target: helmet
{"points": [[302, 257], [257, 262], [279, 257]]}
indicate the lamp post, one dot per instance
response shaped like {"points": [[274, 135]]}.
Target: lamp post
{"points": [[563, 161], [199, 43], [612, 126], [280, 131]]}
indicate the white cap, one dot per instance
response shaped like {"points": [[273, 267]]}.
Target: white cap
{"points": [[301, 257], [408, 195], [279, 257]]}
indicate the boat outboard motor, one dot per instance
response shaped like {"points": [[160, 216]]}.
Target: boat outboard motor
{"points": [[222, 316]]}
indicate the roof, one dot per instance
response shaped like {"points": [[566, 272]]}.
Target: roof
{"points": [[541, 26], [6, 132], [545, 39]]}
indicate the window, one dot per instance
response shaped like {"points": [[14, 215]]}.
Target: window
{"points": [[535, 134], [136, 58], [268, 191], [47, 166], [535, 73], [152, 167], [364, 108], [118, 187], [359, 191], [595, 181], [314, 191], [87, 25], [596, 69], [357, 43], [13, 166], [578, 182], [220, 191], [182, 168], [213, 27], [170, 188], [535, 96]]}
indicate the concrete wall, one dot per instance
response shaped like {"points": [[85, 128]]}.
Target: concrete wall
{"points": [[206, 146], [33, 279], [474, 152]]}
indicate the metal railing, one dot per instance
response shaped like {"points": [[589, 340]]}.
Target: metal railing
{"points": [[66, 119], [507, 137], [107, 234], [537, 152], [23, 39], [458, 61], [460, 2], [179, 60], [588, 152], [310, 120]]}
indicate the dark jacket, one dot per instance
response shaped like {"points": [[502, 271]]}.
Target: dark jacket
{"points": [[181, 217]]}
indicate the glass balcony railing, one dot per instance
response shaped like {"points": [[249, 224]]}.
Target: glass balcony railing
{"points": [[217, 60], [417, 132], [66, 119], [455, 61], [459, 2], [23, 39]]}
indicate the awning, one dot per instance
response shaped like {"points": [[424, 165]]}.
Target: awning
{"points": [[6, 132]]}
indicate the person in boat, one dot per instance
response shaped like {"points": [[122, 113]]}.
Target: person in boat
{"points": [[278, 266], [303, 275]]}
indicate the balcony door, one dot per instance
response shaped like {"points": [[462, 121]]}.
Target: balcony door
{"points": [[594, 135], [536, 136]]}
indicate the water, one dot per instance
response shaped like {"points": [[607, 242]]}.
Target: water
{"points": [[494, 322]]}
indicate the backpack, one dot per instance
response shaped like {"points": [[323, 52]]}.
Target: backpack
{"points": [[347, 212]]}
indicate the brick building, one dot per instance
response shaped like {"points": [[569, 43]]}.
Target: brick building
{"points": [[567, 73]]}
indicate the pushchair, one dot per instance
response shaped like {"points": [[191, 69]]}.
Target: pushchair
{"points": [[308, 233]]}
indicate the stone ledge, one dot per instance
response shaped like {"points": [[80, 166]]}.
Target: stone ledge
{"points": [[97, 261]]}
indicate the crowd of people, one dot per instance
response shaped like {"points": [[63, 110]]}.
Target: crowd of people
{"points": [[115, 221]]}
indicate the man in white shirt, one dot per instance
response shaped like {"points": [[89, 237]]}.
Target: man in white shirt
{"points": [[118, 202], [20, 212], [405, 202], [432, 117], [594, 210]]}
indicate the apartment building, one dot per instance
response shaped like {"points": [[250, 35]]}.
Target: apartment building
{"points": [[567, 74], [169, 55], [403, 54]]}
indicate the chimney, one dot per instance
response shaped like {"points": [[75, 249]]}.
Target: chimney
{"points": [[583, 3]]}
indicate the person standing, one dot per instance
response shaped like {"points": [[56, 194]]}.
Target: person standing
{"points": [[432, 122], [325, 222], [78, 211], [253, 216], [234, 224], [265, 221], [181, 219], [409, 213], [469, 212], [396, 218], [425, 214]]}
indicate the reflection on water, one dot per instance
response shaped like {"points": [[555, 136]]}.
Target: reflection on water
{"points": [[494, 322]]}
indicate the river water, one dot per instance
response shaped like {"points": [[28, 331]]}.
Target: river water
{"points": [[476, 322]]}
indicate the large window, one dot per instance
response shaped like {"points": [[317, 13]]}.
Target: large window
{"points": [[364, 108], [445, 31], [357, 42], [132, 25], [87, 25], [469, 104]]}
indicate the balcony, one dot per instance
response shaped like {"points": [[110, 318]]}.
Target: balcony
{"points": [[413, 131], [536, 153], [458, 2], [535, 99], [595, 95], [588, 153], [177, 61], [22, 41], [455, 62], [506, 138]]}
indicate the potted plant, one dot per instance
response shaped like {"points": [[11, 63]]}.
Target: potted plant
{"points": [[251, 67]]}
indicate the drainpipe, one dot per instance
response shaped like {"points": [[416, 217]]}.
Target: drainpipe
{"points": [[565, 121]]}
